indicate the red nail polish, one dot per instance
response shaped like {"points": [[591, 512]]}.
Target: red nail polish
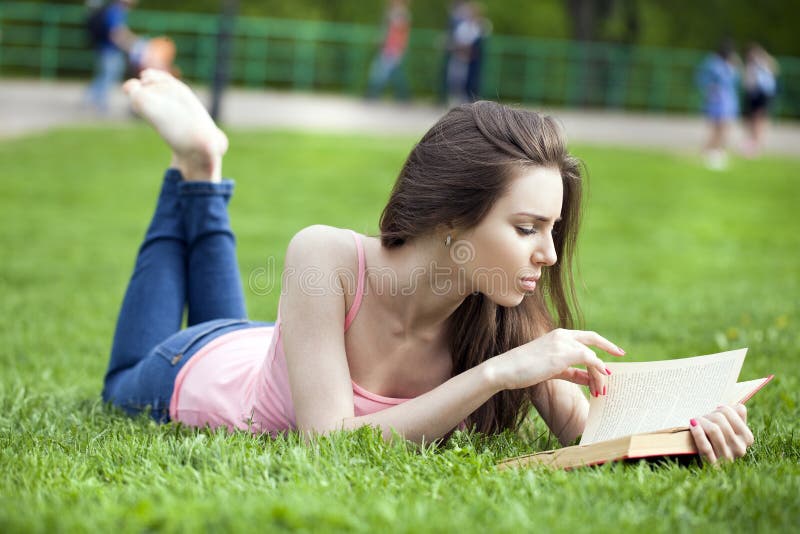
{"points": [[604, 390], [693, 422], [608, 371]]}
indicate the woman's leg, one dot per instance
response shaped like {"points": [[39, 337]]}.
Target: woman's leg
{"points": [[213, 285], [213, 282], [153, 306]]}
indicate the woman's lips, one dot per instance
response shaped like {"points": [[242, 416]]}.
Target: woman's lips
{"points": [[528, 284]]}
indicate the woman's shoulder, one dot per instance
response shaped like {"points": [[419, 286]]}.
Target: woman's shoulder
{"points": [[325, 249], [323, 243]]}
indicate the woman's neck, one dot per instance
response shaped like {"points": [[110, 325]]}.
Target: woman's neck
{"points": [[417, 284]]}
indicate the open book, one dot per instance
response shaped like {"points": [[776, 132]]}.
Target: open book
{"points": [[648, 407]]}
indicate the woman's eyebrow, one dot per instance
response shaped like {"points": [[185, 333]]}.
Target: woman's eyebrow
{"points": [[537, 217]]}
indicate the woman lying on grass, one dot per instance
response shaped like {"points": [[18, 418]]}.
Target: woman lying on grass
{"points": [[441, 321]]}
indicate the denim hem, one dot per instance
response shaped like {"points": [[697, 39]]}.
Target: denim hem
{"points": [[173, 175], [225, 187]]}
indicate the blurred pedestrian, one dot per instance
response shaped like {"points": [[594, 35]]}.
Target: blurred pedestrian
{"points": [[112, 40], [717, 79], [465, 42], [456, 14], [760, 84], [473, 84], [388, 65]]}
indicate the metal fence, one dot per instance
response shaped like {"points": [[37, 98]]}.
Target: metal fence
{"points": [[50, 41]]}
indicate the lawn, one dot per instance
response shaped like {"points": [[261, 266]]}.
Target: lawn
{"points": [[674, 261]]}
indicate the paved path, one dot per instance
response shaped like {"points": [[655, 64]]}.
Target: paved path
{"points": [[32, 106]]}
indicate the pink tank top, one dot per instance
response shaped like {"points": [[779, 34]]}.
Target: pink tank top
{"points": [[239, 380]]}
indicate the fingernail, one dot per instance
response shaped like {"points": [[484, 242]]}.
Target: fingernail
{"points": [[620, 349], [719, 407], [596, 394], [604, 390], [693, 422], [608, 371]]}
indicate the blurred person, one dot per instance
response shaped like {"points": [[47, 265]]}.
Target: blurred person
{"points": [[154, 53], [388, 65], [112, 41], [760, 84], [717, 78], [473, 82], [488, 188], [456, 14], [465, 43]]}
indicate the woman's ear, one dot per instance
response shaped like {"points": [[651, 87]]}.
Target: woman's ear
{"points": [[445, 228], [446, 233]]}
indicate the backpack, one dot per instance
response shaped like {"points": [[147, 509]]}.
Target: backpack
{"points": [[97, 26]]}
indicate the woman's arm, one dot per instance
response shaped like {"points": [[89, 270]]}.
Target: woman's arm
{"points": [[433, 414], [561, 404], [563, 407], [312, 321]]}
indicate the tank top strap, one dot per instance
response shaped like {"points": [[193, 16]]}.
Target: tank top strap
{"points": [[362, 271]]}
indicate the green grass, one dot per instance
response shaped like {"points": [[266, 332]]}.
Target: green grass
{"points": [[674, 261]]}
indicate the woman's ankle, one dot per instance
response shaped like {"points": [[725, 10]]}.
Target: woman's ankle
{"points": [[199, 168]]}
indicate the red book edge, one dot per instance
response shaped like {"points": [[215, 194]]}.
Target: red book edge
{"points": [[764, 383]]}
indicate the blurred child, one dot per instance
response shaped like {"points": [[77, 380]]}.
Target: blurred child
{"points": [[717, 79], [760, 86], [156, 53], [112, 40], [388, 66]]}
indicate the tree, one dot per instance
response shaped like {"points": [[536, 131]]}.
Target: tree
{"points": [[587, 17]]}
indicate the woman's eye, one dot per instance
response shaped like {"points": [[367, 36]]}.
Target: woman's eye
{"points": [[526, 231]]}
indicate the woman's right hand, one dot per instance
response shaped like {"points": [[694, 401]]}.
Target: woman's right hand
{"points": [[553, 355]]}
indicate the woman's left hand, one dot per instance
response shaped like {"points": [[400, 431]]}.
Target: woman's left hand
{"points": [[723, 434]]}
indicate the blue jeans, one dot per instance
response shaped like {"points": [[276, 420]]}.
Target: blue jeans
{"points": [[109, 68], [387, 69], [188, 258]]}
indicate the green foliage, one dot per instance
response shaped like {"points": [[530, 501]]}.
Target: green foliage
{"points": [[674, 23], [675, 261]]}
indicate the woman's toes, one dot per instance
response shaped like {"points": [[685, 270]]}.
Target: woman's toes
{"points": [[132, 86], [221, 141], [155, 76], [150, 76], [162, 75]]}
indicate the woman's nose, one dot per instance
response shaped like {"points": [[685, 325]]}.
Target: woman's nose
{"points": [[545, 252]]}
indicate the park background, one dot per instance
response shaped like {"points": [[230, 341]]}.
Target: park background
{"points": [[675, 260], [619, 55]]}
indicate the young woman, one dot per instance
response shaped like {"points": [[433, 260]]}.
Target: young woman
{"points": [[441, 321]]}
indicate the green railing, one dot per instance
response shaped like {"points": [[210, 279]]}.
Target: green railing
{"points": [[49, 41]]}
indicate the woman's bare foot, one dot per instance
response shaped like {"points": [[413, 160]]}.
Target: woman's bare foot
{"points": [[182, 121]]}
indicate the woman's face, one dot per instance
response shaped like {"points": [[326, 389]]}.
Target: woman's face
{"points": [[503, 256]]}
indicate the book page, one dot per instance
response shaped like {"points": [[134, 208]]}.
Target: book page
{"points": [[742, 391], [650, 396]]}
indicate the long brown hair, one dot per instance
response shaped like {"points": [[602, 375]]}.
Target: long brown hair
{"points": [[454, 175]]}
